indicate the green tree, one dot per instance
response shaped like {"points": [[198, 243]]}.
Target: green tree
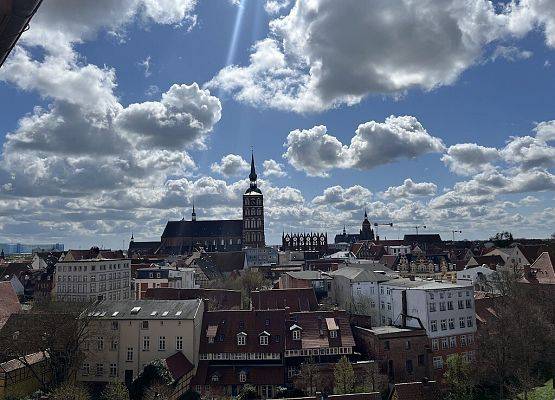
{"points": [[153, 382], [248, 392], [458, 377], [70, 391], [344, 377], [115, 391]]}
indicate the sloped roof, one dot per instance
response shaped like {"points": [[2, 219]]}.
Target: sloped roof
{"points": [[358, 274], [423, 238], [315, 332], [297, 299], [176, 309], [9, 303], [18, 363], [219, 298], [416, 391], [215, 228], [307, 275], [229, 374], [542, 270], [179, 365]]}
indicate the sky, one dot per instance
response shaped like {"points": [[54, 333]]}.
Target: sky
{"points": [[117, 115]]}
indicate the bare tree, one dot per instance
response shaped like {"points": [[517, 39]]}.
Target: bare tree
{"points": [[309, 380]]}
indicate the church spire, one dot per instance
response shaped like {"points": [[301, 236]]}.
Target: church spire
{"points": [[193, 214], [252, 175]]}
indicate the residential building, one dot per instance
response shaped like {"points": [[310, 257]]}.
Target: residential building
{"points": [[163, 277], [16, 378], [86, 279], [260, 256], [305, 279], [214, 299], [9, 302], [130, 334], [480, 277]]}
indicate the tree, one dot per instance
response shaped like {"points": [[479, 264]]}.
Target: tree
{"points": [[70, 391], [309, 380], [115, 391], [248, 281], [459, 378], [190, 395], [344, 377], [153, 382], [58, 331], [248, 392], [502, 239]]}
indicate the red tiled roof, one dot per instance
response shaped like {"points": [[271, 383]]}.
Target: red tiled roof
{"points": [[9, 303], [315, 333], [416, 391], [229, 374], [251, 322], [223, 299], [297, 299], [179, 365]]}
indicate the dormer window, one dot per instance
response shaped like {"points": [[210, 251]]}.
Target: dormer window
{"points": [[241, 339], [264, 338], [297, 334], [333, 334], [242, 376], [215, 378]]}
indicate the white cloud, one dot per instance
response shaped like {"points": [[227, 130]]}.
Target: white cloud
{"points": [[469, 158], [526, 15], [375, 143], [273, 7], [529, 200], [409, 188], [510, 53], [344, 198], [315, 59], [273, 168], [145, 65], [230, 165], [529, 152]]}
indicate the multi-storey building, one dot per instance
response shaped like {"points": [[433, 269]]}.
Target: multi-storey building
{"points": [[128, 335], [87, 279], [163, 277], [253, 212], [446, 311]]}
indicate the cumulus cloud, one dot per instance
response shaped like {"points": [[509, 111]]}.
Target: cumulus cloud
{"points": [[374, 143], [529, 152], [409, 188], [275, 6], [344, 198], [230, 165], [469, 158], [314, 57], [510, 53], [273, 168]]}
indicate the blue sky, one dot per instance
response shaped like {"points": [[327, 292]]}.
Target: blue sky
{"points": [[456, 108]]}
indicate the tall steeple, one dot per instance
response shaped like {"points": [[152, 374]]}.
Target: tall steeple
{"points": [[252, 175], [193, 214]]}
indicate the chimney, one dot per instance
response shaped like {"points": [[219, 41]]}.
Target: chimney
{"points": [[404, 305]]}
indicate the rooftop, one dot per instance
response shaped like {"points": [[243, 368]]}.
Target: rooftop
{"points": [[423, 284], [147, 309]]}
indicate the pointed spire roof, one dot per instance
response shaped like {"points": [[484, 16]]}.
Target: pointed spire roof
{"points": [[252, 175]]}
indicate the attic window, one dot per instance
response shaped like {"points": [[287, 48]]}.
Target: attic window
{"points": [[242, 376], [215, 378], [177, 314], [152, 314], [115, 313], [241, 339], [165, 313], [135, 310], [297, 334]]}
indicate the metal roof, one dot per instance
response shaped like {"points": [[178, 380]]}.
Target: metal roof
{"points": [[146, 309]]}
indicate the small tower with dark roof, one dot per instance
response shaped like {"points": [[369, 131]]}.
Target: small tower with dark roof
{"points": [[193, 214], [253, 212], [366, 233]]}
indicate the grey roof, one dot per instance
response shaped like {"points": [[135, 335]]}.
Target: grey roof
{"points": [[308, 275], [424, 284], [176, 309], [357, 274], [215, 228]]}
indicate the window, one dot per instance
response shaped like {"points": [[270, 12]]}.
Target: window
{"points": [[333, 334], [441, 306], [264, 340], [421, 359], [100, 343], [451, 323], [431, 296], [443, 324], [144, 325], [433, 325], [461, 322], [179, 343], [242, 339], [146, 343], [386, 345], [86, 369], [463, 341], [468, 303], [461, 304], [114, 345], [113, 369], [297, 334], [242, 376], [469, 339], [449, 305], [444, 343], [469, 321], [453, 341], [432, 307], [99, 369], [161, 343], [215, 378], [438, 362], [435, 344], [407, 345], [130, 354], [408, 366]]}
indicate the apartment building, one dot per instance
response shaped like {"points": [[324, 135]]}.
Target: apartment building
{"points": [[163, 277], [446, 311], [93, 278], [128, 335]]}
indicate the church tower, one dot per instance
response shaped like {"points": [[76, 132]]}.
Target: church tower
{"points": [[366, 233], [253, 212]]}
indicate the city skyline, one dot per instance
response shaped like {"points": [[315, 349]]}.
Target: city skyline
{"points": [[115, 118]]}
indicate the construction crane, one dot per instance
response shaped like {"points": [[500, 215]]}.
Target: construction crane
{"points": [[418, 227], [376, 224], [455, 231]]}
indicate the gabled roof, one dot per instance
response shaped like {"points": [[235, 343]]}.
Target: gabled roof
{"points": [[179, 365], [9, 303], [315, 327], [357, 274], [416, 391], [215, 228], [18, 363], [307, 275], [297, 299], [229, 374], [542, 270], [222, 299]]}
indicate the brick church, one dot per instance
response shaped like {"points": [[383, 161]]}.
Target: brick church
{"points": [[182, 237]]}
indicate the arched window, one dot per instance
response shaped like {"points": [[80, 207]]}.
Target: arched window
{"points": [[242, 376]]}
